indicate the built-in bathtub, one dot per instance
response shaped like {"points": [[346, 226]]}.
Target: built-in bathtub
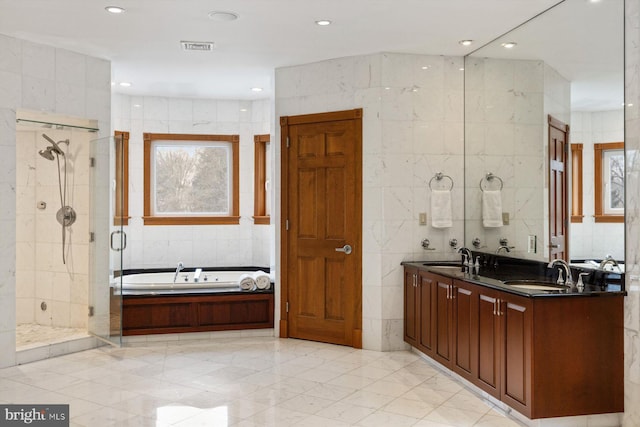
{"points": [[162, 283], [152, 303]]}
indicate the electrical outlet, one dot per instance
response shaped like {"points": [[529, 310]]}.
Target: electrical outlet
{"points": [[505, 218], [532, 244], [422, 218]]}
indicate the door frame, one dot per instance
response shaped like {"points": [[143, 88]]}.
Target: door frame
{"points": [[285, 122]]}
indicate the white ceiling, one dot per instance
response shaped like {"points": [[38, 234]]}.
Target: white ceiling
{"points": [[143, 44]]}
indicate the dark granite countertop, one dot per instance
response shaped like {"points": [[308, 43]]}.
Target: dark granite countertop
{"points": [[495, 278]]}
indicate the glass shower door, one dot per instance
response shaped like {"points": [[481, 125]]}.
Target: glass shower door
{"points": [[108, 239]]}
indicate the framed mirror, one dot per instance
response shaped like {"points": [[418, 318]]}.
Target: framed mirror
{"points": [[553, 83]]}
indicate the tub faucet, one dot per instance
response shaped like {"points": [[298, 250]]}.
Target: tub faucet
{"points": [[196, 275], [178, 270], [567, 270], [609, 260]]}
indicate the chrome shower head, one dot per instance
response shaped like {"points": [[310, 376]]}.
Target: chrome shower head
{"points": [[55, 147], [46, 153]]}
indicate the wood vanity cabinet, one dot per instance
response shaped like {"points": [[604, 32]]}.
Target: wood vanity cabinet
{"points": [[544, 357], [419, 327]]}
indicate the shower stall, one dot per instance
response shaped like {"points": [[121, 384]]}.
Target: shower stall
{"points": [[55, 230]]}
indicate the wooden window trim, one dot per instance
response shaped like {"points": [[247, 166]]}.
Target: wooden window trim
{"points": [[598, 150], [121, 203], [260, 178], [576, 183], [234, 218]]}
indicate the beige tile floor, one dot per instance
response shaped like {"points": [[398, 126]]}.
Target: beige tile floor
{"points": [[30, 335], [248, 382]]}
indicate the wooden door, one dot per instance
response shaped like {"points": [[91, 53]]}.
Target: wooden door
{"points": [[516, 314], [426, 319], [411, 313], [444, 320], [489, 342], [558, 198], [322, 227], [465, 336]]}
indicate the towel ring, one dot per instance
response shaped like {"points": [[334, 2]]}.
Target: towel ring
{"points": [[490, 177], [438, 177]]}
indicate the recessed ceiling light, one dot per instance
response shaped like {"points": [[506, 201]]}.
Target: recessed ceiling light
{"points": [[221, 16], [323, 22], [461, 69], [114, 9], [256, 89], [509, 45], [243, 110], [125, 84], [465, 42]]}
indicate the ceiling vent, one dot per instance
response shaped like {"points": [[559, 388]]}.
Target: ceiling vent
{"points": [[198, 46]]}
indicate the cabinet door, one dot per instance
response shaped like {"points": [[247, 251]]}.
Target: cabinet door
{"points": [[489, 342], [464, 326], [516, 322], [444, 318], [425, 307], [410, 320]]}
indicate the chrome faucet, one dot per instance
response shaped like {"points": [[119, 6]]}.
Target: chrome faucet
{"points": [[505, 247], [467, 253], [567, 270], [609, 260], [178, 270], [196, 275]]}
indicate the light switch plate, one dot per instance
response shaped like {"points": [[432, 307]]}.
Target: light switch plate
{"points": [[505, 218], [422, 218]]}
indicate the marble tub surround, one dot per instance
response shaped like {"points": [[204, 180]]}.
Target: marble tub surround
{"points": [[221, 245]]}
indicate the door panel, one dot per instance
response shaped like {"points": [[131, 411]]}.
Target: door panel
{"points": [[558, 198], [109, 239], [322, 205]]}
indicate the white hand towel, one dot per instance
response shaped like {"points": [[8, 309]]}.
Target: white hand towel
{"points": [[262, 280], [247, 282], [492, 208], [441, 216]]}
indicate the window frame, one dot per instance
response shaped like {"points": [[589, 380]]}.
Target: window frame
{"points": [[234, 218], [599, 151], [577, 214], [260, 216], [121, 194]]}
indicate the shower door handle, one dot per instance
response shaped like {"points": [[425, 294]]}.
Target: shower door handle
{"points": [[124, 240]]}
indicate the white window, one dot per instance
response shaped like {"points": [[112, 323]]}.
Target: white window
{"points": [[613, 175]]}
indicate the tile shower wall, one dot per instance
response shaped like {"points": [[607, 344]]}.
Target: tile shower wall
{"points": [[202, 245], [412, 129], [41, 276], [41, 78], [632, 215], [588, 237]]}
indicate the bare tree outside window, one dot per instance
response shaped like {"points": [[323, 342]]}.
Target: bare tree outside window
{"points": [[191, 179], [616, 179]]}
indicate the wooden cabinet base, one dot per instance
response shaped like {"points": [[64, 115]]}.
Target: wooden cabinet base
{"points": [[142, 315]]}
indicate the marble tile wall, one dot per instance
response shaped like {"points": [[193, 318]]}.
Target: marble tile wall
{"points": [[195, 246], [508, 102], [590, 239], [632, 214], [412, 129], [41, 78], [41, 275]]}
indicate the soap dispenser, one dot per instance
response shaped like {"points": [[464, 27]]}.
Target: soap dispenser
{"points": [[580, 284]]}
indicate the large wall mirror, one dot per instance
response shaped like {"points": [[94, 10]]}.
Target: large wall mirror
{"points": [[555, 81]]}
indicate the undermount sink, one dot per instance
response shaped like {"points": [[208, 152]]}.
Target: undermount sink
{"points": [[445, 267], [536, 285]]}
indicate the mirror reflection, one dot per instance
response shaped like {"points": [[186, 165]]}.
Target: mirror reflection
{"points": [[544, 137]]}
